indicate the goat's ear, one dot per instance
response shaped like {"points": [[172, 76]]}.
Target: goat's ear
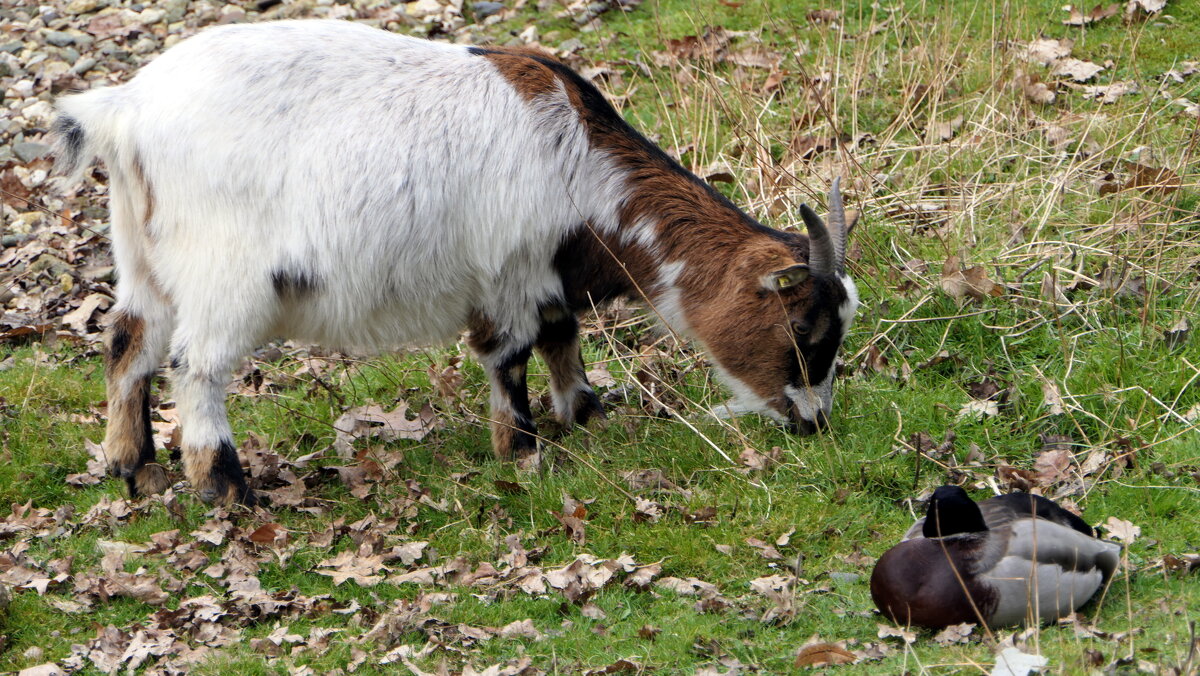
{"points": [[851, 220], [786, 278]]}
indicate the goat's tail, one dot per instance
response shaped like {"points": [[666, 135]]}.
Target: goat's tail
{"points": [[87, 127]]}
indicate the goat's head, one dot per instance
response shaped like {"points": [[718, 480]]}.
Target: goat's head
{"points": [[786, 315]]}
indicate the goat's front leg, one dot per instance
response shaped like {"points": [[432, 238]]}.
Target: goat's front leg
{"points": [[558, 345], [514, 436]]}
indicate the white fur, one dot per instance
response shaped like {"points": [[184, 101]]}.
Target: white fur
{"points": [[668, 298], [252, 174]]}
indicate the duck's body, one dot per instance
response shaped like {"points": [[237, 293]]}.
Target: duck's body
{"points": [[1002, 561]]}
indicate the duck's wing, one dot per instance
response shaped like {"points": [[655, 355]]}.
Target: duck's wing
{"points": [[1048, 570], [1004, 509]]}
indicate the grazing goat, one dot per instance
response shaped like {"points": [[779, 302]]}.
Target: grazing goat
{"points": [[338, 184]]}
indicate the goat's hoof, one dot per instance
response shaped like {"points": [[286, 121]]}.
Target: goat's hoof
{"points": [[588, 407], [529, 460], [149, 479], [228, 495]]}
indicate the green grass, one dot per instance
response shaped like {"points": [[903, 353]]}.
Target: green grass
{"points": [[1125, 391]]}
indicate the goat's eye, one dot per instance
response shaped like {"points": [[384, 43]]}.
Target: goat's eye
{"points": [[800, 329]]}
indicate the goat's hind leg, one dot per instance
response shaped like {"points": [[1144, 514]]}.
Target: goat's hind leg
{"points": [[558, 345], [204, 353], [142, 320], [136, 344]]}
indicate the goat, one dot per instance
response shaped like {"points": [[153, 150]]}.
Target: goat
{"points": [[342, 185]]}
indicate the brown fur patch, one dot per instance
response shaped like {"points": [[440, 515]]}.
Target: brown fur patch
{"points": [[198, 466], [139, 175], [482, 336], [504, 433], [151, 479], [128, 426], [524, 70], [125, 341], [216, 475], [724, 252]]}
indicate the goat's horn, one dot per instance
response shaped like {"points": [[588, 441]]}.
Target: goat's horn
{"points": [[820, 247], [837, 223]]}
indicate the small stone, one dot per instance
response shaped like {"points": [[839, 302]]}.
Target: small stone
{"points": [[144, 46], [39, 113], [23, 88], [175, 10], [571, 46], [151, 16], [12, 47], [82, 6], [423, 8], [232, 14], [83, 65], [33, 654], [5, 69], [28, 151], [485, 9], [59, 38]]}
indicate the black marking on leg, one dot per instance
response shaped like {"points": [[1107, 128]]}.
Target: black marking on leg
{"points": [[124, 342], [146, 452], [558, 343], [559, 326], [511, 380], [294, 283]]}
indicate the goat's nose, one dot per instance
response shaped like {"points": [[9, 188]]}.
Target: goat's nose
{"points": [[822, 422]]}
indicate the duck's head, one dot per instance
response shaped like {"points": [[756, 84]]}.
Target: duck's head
{"points": [[952, 511]]}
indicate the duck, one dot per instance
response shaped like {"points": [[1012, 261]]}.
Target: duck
{"points": [[1006, 560]]}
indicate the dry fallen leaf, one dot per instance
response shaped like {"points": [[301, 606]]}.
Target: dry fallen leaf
{"points": [[373, 421], [955, 633], [710, 45], [1076, 69], [1052, 466], [1079, 17], [1046, 51], [1148, 179], [1015, 479], [1012, 662], [1052, 398], [1035, 90], [970, 283], [1146, 6], [1111, 92], [821, 654], [944, 130], [897, 632], [1122, 530], [351, 565]]}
